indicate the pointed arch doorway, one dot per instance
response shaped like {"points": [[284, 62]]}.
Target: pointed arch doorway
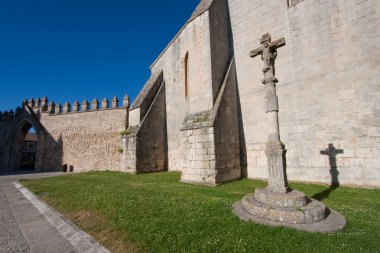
{"points": [[23, 147]]}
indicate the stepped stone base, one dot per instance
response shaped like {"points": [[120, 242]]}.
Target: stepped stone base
{"points": [[290, 199], [293, 209]]}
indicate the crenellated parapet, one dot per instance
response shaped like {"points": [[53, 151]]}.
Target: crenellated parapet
{"points": [[46, 106], [43, 105], [10, 115]]}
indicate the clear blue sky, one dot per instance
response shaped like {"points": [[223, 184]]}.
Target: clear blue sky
{"points": [[75, 49]]}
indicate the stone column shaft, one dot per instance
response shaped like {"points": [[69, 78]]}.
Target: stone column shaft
{"points": [[277, 181]]}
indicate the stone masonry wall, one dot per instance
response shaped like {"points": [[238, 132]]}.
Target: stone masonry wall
{"points": [[329, 79], [128, 161], [88, 140], [199, 159]]}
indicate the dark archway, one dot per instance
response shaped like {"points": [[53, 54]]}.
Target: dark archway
{"points": [[23, 147], [28, 159], [15, 149]]}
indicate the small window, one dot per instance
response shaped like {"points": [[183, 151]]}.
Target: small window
{"points": [[294, 2], [30, 145], [186, 75]]}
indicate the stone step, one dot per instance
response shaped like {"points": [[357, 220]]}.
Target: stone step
{"points": [[291, 199], [312, 212]]}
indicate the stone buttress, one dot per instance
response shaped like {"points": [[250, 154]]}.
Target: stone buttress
{"points": [[211, 152], [144, 142]]}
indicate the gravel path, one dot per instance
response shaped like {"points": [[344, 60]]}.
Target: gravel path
{"points": [[11, 238]]}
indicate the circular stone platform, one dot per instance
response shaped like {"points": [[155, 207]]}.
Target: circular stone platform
{"points": [[312, 212], [293, 209], [332, 223]]}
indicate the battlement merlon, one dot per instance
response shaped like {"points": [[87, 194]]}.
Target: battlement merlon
{"points": [[11, 114], [45, 106]]}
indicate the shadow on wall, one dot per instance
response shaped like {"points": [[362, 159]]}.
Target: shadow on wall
{"points": [[331, 152], [52, 154], [49, 151], [243, 146]]}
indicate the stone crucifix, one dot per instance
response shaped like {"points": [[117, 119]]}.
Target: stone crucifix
{"points": [[277, 180]]}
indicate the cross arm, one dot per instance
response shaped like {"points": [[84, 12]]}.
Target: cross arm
{"points": [[278, 43], [256, 52]]}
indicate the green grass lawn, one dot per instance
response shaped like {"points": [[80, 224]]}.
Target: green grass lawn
{"points": [[156, 213]]}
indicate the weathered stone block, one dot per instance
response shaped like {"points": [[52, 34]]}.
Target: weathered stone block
{"points": [[372, 163], [363, 152], [357, 163]]}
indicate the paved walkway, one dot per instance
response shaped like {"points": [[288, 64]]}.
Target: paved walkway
{"points": [[23, 227]]}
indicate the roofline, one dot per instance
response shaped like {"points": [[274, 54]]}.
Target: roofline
{"points": [[170, 43], [178, 33]]}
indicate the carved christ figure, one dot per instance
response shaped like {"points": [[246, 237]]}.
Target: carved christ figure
{"points": [[268, 54]]}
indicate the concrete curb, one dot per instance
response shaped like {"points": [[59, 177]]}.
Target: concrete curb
{"points": [[80, 240]]}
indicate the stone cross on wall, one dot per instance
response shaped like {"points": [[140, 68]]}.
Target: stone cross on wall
{"points": [[277, 181]]}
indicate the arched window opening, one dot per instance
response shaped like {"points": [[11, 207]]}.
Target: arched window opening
{"points": [[187, 75]]}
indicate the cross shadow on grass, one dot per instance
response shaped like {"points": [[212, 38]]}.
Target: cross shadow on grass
{"points": [[331, 152], [325, 194]]}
